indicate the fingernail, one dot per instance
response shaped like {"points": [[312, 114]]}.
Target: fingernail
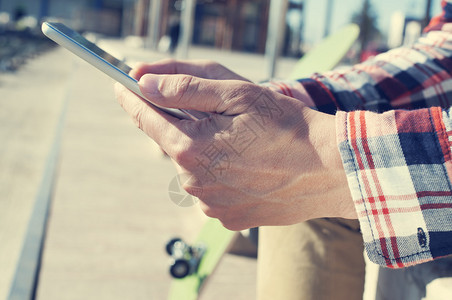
{"points": [[149, 85]]}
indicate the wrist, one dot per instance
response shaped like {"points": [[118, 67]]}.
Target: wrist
{"points": [[322, 135], [335, 194]]}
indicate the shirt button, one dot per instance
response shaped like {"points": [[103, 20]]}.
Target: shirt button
{"points": [[421, 237]]}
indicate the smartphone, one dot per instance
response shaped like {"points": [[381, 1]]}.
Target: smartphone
{"points": [[107, 63]]}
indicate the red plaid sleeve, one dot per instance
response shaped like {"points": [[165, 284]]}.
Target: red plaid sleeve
{"points": [[398, 166], [411, 77], [398, 163]]}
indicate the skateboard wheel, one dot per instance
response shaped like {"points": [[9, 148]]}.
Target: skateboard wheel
{"points": [[180, 268], [170, 245]]}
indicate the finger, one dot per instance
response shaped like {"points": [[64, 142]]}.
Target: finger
{"points": [[171, 66], [199, 68], [161, 127], [227, 97]]}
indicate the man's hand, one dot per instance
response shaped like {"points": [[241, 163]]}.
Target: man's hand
{"points": [[261, 158]]}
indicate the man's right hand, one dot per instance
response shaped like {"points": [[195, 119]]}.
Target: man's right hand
{"points": [[260, 158]]}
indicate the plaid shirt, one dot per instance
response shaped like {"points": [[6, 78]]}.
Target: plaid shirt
{"points": [[394, 128]]}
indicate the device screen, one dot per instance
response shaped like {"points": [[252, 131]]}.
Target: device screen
{"points": [[91, 47]]}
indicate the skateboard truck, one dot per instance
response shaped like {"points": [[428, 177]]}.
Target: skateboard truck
{"points": [[185, 259]]}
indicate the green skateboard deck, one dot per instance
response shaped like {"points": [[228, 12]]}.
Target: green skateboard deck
{"points": [[213, 238], [327, 54], [216, 240]]}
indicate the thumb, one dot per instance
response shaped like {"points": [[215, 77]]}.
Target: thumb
{"points": [[192, 93]]}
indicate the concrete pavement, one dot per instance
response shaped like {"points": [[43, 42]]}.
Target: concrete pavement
{"points": [[30, 105]]}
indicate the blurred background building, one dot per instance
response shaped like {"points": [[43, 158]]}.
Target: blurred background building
{"points": [[103, 16], [225, 24], [233, 24]]}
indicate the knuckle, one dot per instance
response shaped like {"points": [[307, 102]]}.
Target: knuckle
{"points": [[229, 221], [168, 61], [243, 91], [249, 88], [138, 115], [210, 211], [140, 65], [210, 67], [184, 87], [135, 109], [209, 62], [191, 184], [171, 62], [193, 189], [215, 70], [181, 157], [186, 153], [233, 225]]}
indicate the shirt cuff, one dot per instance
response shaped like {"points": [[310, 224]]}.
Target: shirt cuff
{"points": [[398, 166]]}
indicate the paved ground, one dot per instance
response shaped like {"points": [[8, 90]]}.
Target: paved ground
{"points": [[111, 214], [30, 105]]}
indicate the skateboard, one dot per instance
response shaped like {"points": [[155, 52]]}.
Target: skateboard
{"points": [[192, 264], [327, 54]]}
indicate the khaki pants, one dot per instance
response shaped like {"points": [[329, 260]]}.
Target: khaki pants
{"points": [[427, 281], [318, 259]]}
